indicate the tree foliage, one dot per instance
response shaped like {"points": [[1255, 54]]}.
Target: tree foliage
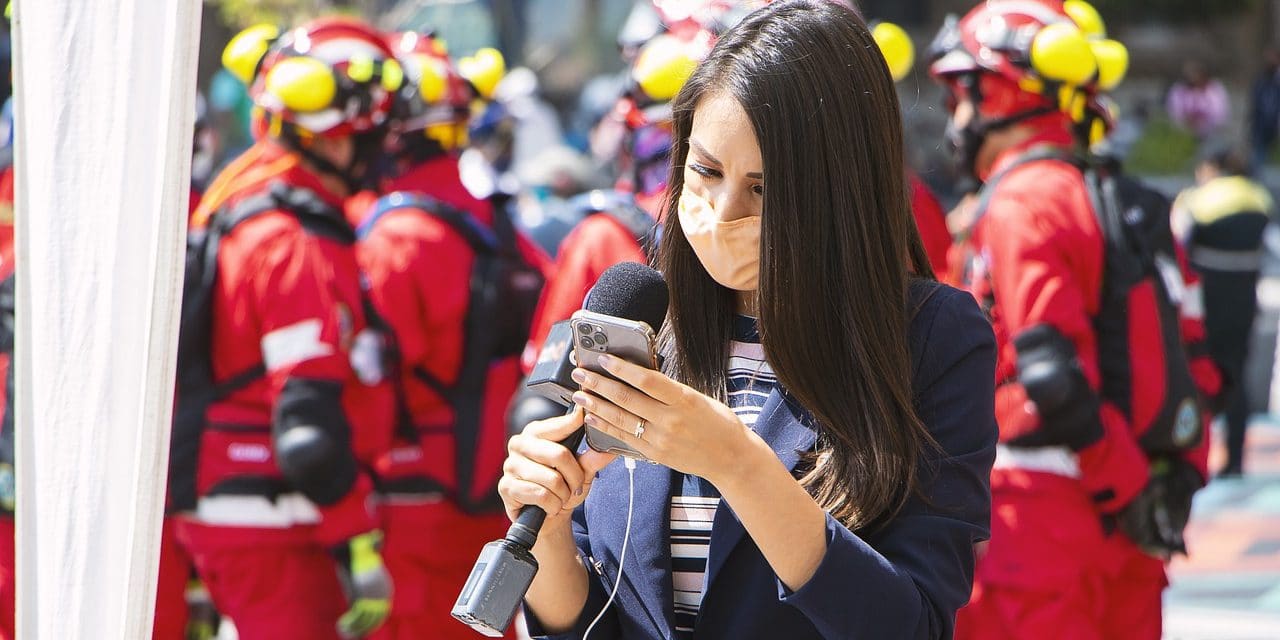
{"points": [[242, 13], [1171, 10]]}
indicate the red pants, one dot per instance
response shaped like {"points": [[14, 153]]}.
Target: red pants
{"points": [[171, 603], [171, 587], [8, 575], [270, 590], [429, 550], [1049, 571]]}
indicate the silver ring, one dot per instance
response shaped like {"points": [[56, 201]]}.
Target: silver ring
{"points": [[639, 433]]}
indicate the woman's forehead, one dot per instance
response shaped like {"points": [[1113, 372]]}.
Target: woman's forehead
{"points": [[721, 127]]}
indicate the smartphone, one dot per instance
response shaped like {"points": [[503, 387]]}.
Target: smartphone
{"points": [[595, 335]]}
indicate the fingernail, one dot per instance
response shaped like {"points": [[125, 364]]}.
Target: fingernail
{"points": [[606, 361], [578, 492], [579, 376], [591, 420], [582, 400]]}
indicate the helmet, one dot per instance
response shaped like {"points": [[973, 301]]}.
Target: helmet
{"points": [[1055, 51], [666, 62], [1022, 59], [896, 47], [330, 77], [484, 70], [244, 52], [435, 98]]}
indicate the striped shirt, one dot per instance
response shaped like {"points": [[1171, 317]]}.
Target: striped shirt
{"points": [[750, 380]]}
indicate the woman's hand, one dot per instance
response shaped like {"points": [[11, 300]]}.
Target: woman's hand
{"points": [[541, 471], [682, 429]]}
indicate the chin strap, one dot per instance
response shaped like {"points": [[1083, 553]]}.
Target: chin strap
{"points": [[368, 146]]}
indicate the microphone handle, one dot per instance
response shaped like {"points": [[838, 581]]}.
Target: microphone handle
{"points": [[524, 531]]}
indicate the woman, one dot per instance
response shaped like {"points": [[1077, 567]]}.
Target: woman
{"points": [[822, 472]]}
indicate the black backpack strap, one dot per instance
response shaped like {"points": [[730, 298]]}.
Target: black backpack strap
{"points": [[503, 229], [316, 216], [481, 239], [1033, 155]]}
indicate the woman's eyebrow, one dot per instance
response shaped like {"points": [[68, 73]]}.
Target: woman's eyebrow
{"points": [[706, 155]]}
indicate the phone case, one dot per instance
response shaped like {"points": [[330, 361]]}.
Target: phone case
{"points": [[595, 335]]}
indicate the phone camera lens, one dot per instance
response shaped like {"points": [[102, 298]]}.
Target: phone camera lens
{"points": [[601, 338], [587, 342], [586, 329]]}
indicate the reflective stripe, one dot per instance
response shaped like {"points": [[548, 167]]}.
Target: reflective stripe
{"points": [[1193, 302], [295, 343], [411, 499], [1223, 260], [1056, 460], [285, 511]]}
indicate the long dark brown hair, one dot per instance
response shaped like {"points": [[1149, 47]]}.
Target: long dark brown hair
{"points": [[838, 248]]}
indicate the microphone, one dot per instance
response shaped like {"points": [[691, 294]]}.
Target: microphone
{"points": [[505, 569]]}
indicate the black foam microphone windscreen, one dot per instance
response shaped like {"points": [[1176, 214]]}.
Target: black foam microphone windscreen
{"points": [[627, 290], [632, 291]]}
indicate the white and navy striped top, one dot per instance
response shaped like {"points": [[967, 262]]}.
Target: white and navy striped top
{"points": [[750, 380]]}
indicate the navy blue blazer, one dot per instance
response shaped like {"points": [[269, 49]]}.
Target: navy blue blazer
{"points": [[905, 580]]}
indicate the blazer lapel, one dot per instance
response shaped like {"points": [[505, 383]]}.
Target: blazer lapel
{"points": [[647, 573], [782, 426]]}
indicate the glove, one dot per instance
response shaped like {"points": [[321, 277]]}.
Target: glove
{"points": [[1050, 372], [368, 585], [1155, 519], [202, 617]]}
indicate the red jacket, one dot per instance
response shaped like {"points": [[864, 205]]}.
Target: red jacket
{"points": [[597, 243], [1036, 257], [289, 300], [419, 273], [932, 222]]}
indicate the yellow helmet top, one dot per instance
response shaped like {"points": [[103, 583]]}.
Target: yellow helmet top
{"points": [[896, 47], [484, 70], [245, 50]]}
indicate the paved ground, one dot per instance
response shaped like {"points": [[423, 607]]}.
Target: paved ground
{"points": [[1229, 586]]}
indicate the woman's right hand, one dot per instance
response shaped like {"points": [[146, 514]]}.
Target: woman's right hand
{"points": [[540, 471]]}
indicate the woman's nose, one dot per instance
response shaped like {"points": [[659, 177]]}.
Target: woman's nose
{"points": [[730, 206]]}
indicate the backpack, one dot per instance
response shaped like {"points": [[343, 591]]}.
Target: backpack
{"points": [[1142, 358], [196, 386], [621, 207], [503, 295]]}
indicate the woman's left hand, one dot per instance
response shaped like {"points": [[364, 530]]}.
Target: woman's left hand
{"points": [[682, 428]]}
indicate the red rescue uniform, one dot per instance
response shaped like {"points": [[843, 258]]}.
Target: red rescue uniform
{"points": [[594, 245], [931, 220], [419, 272], [291, 301], [1051, 569]]}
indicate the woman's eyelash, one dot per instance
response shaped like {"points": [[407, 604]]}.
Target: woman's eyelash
{"points": [[705, 172]]}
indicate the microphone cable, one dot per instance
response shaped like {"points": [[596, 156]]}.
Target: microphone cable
{"points": [[630, 464]]}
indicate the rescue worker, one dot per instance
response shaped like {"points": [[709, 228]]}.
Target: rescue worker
{"points": [[285, 508], [1221, 222], [421, 269], [1069, 466]]}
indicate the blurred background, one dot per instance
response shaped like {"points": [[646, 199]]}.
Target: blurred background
{"points": [[572, 49]]}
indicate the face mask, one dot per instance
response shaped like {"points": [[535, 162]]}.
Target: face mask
{"points": [[729, 251]]}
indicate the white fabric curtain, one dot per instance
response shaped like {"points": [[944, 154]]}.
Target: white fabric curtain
{"points": [[104, 111]]}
